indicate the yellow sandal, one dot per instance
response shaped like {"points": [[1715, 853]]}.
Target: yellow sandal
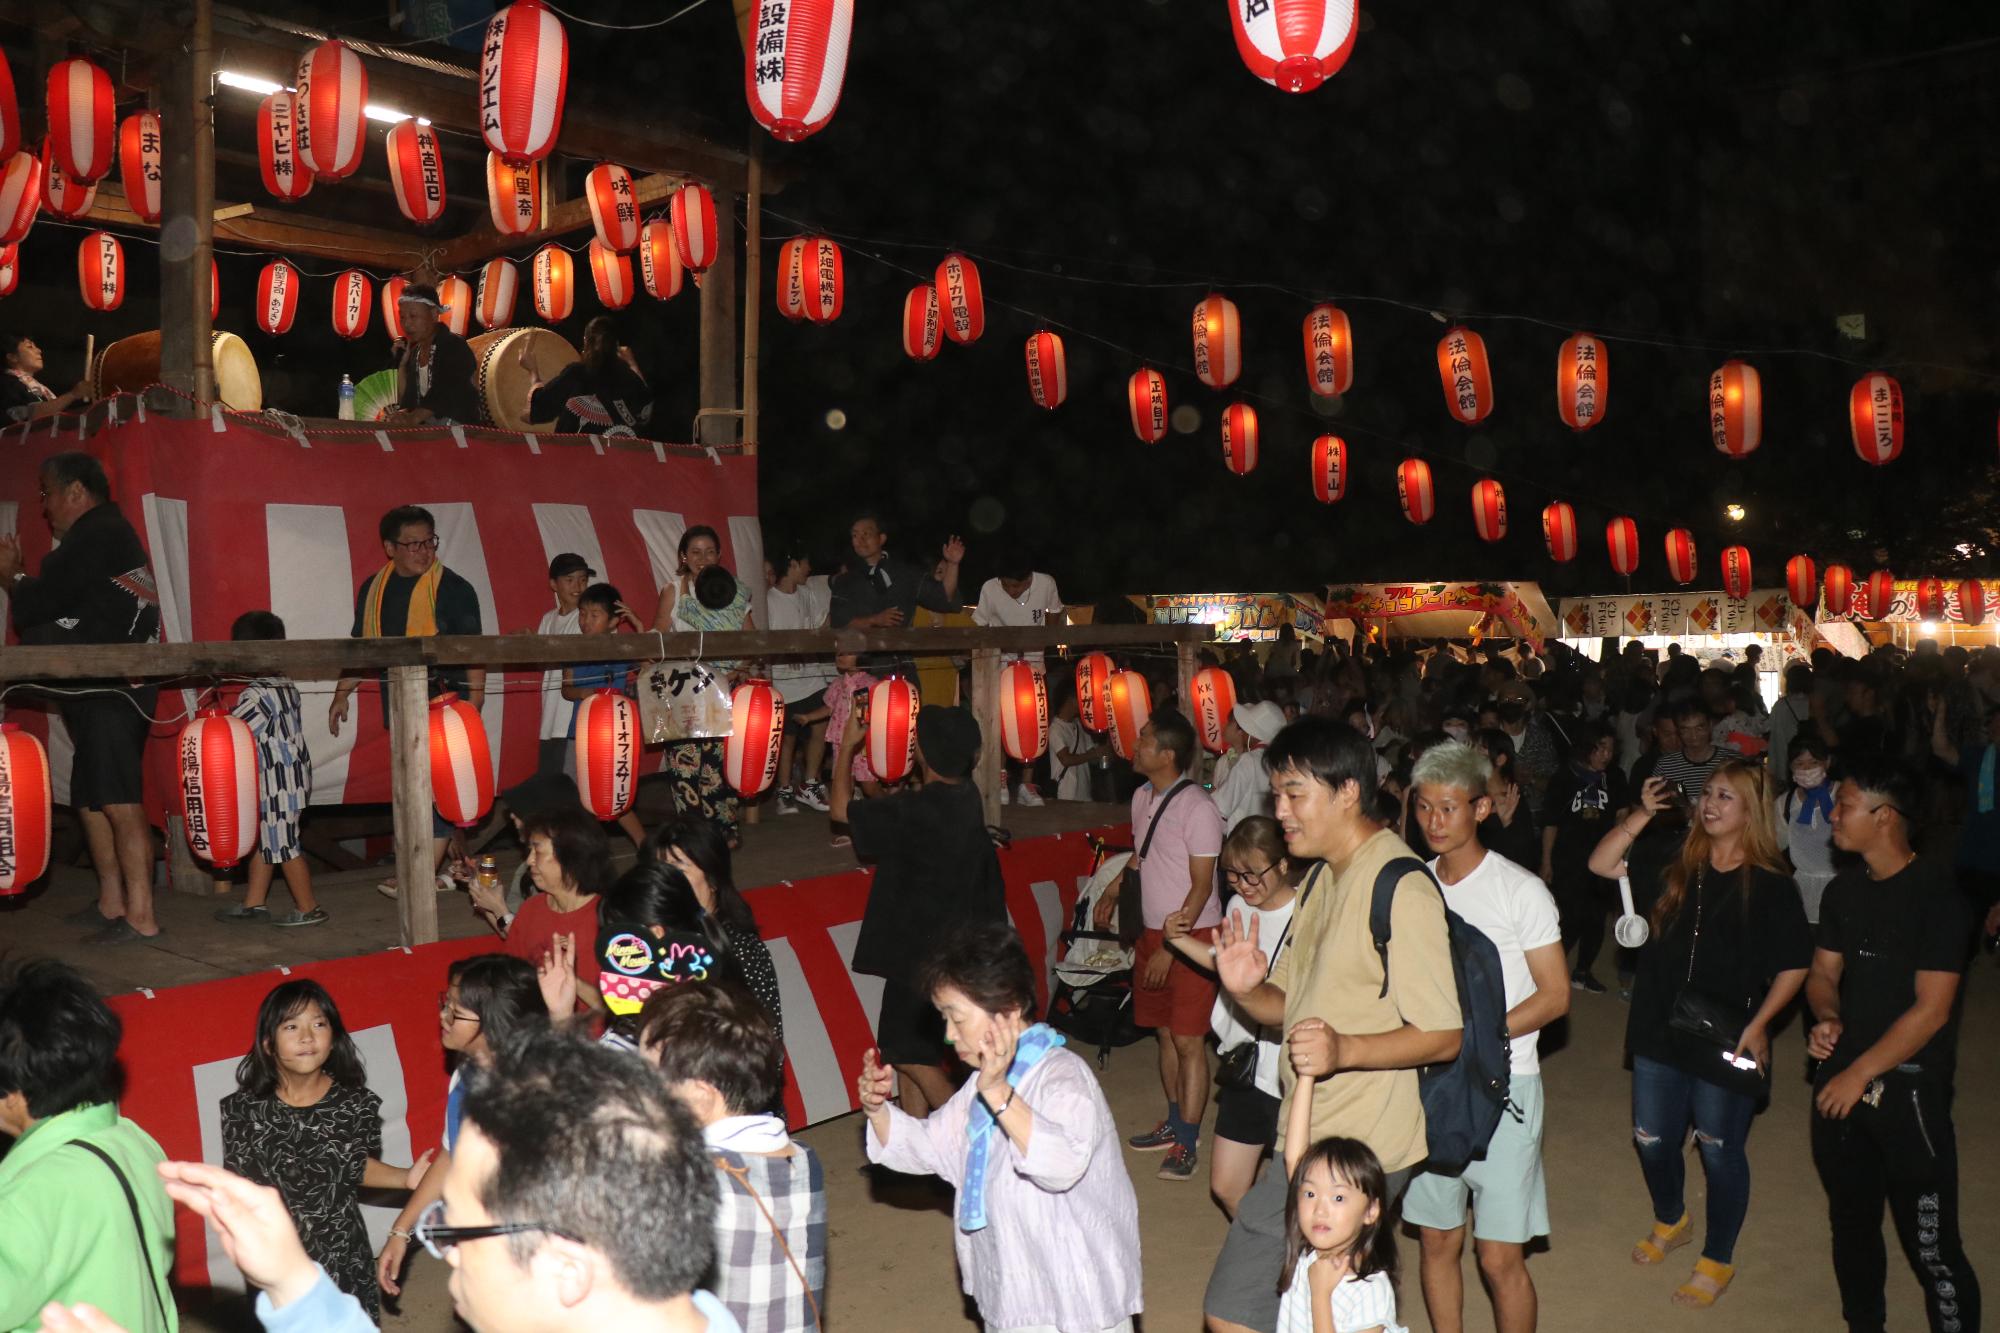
{"points": [[1700, 1298], [1653, 1249]]}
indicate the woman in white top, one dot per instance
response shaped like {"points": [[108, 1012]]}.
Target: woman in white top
{"points": [[700, 547], [1803, 816]]}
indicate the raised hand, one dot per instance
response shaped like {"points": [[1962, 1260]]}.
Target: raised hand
{"points": [[704, 892], [556, 973], [252, 1222], [876, 1085], [1239, 963], [954, 549]]}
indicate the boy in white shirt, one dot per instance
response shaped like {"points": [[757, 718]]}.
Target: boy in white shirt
{"points": [[1020, 597], [569, 575]]}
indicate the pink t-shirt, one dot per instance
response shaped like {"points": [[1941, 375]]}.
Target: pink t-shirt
{"points": [[1192, 826]]}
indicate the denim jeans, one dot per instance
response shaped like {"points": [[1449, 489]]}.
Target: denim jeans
{"points": [[1665, 1101]]}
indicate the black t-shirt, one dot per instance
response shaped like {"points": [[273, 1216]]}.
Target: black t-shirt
{"points": [[17, 401], [453, 370], [457, 612], [890, 582], [1520, 841], [615, 403], [1581, 811], [1886, 932], [935, 868], [98, 581]]}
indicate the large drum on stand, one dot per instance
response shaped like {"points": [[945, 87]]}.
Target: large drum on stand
{"points": [[133, 363], [504, 383]]}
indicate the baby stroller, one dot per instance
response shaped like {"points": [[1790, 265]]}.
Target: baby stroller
{"points": [[1092, 996]]}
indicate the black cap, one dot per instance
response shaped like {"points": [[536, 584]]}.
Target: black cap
{"points": [[569, 562], [948, 739]]}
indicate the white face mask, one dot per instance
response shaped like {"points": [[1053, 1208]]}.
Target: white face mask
{"points": [[1808, 778], [1458, 731]]}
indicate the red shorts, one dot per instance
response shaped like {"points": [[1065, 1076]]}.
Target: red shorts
{"points": [[1184, 1004]]}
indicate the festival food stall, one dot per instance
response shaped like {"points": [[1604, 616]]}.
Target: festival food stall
{"points": [[1905, 612], [1711, 626], [1253, 617], [1469, 611]]}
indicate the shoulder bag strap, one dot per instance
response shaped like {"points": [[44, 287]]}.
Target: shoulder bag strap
{"points": [[1153, 824], [741, 1175], [138, 1225]]}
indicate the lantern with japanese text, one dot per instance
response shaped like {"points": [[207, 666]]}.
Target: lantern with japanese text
{"points": [[1681, 556], [1024, 711], [416, 170], [1736, 408], [1048, 369], [513, 195], [756, 736], [1146, 399], [1930, 599], [794, 63], [455, 295], [1239, 437], [920, 323], [1130, 702], [10, 267], [1295, 45], [1972, 601], [1736, 571], [26, 810], [822, 280], [1214, 702], [1218, 341], [392, 309], [892, 728], [1621, 541], [100, 271], [693, 215], [523, 74], [1093, 690], [1802, 582], [1329, 351], [607, 750], [1466, 375], [791, 279], [20, 196], [1329, 469], [1582, 381], [1877, 595], [1839, 589], [1414, 490], [499, 283], [1875, 418], [353, 294], [63, 194], [277, 297], [614, 209], [961, 298], [1489, 510], [10, 112], [139, 163], [217, 759], [461, 763], [1559, 531], [554, 278], [332, 88], [82, 119], [611, 275], [660, 270], [285, 173]]}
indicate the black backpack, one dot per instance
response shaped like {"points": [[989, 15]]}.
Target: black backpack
{"points": [[1463, 1100]]}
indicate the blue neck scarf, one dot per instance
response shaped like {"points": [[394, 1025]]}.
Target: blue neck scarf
{"points": [[1985, 803], [1818, 799], [1035, 1043]]}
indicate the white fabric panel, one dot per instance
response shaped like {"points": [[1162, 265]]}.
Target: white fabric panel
{"points": [[569, 528], [867, 989], [464, 554], [746, 540], [661, 531], [1048, 902], [305, 542], [167, 547], [822, 1087]]}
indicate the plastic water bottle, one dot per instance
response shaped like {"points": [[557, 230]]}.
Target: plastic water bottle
{"points": [[347, 398]]}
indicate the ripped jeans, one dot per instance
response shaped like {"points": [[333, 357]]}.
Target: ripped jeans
{"points": [[1665, 1101]]}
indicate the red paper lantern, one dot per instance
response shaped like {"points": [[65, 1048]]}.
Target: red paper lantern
{"points": [[1875, 416], [1295, 45], [1559, 531], [1093, 690], [892, 728], [82, 119], [822, 280], [1878, 594], [1621, 540], [554, 278], [920, 323], [139, 163], [1048, 369], [10, 266], [1489, 510], [353, 294], [332, 95], [1930, 599], [1466, 375], [455, 295], [20, 196], [614, 209], [607, 754], [523, 74], [1736, 408], [791, 279], [1414, 490], [1839, 588], [611, 275], [793, 67], [1214, 702], [27, 807], [660, 271], [217, 758], [756, 735], [1329, 469], [1802, 582], [416, 170], [499, 283], [100, 271], [1736, 571], [961, 298], [1681, 556], [1024, 711], [1239, 437], [285, 173], [1130, 702], [1582, 381], [461, 763], [1218, 342], [693, 215], [277, 297], [1146, 399], [10, 113], [513, 195], [1972, 602], [1329, 351], [392, 310], [63, 194]]}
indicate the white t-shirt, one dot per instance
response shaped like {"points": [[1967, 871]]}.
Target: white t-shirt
{"points": [[1073, 781], [1036, 604], [1230, 1024], [1246, 791], [805, 609], [1515, 910], [1358, 1303], [555, 709]]}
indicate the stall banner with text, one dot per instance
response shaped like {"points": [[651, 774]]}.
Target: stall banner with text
{"points": [[182, 1044]]}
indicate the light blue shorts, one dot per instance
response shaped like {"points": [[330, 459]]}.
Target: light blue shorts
{"points": [[1506, 1188]]}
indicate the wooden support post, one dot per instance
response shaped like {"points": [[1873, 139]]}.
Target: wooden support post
{"points": [[718, 332], [753, 289], [184, 873], [410, 777], [991, 772], [187, 229]]}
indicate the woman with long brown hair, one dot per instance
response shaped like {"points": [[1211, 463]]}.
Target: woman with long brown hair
{"points": [[1727, 949]]}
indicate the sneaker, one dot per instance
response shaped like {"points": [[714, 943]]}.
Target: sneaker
{"points": [[787, 803], [1028, 797], [811, 795], [1583, 981], [316, 917], [243, 916], [1179, 1164], [387, 888], [1157, 1139], [1006, 797]]}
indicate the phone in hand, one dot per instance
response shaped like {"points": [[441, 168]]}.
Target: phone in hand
{"points": [[1742, 1062], [861, 705]]}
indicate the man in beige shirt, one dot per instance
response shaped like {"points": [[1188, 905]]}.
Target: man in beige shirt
{"points": [[1325, 990]]}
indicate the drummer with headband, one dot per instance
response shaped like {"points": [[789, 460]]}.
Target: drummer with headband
{"points": [[434, 381], [24, 397]]}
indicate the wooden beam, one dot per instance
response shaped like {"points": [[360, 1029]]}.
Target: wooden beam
{"points": [[718, 336], [410, 774], [753, 293], [266, 229], [187, 197], [990, 773], [483, 242]]}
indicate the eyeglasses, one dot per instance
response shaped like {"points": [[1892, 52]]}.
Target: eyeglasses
{"points": [[1244, 876], [445, 1006], [437, 1238], [429, 543]]}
